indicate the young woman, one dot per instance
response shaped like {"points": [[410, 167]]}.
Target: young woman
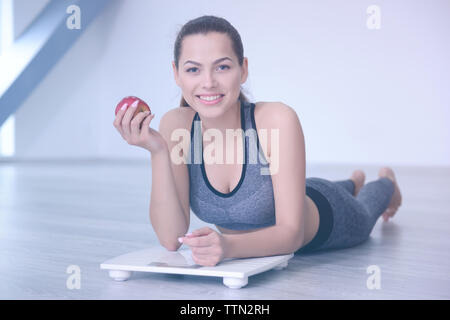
{"points": [[257, 214]]}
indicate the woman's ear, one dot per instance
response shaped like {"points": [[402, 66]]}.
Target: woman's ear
{"points": [[175, 73], [244, 69]]}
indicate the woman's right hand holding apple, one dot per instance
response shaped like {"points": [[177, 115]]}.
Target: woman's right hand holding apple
{"points": [[136, 130]]}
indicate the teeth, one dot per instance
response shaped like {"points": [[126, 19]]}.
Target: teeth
{"points": [[210, 98]]}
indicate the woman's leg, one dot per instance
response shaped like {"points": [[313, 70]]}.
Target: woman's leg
{"points": [[354, 184], [353, 217], [348, 185], [376, 196]]}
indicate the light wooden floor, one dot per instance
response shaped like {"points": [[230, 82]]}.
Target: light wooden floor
{"points": [[53, 215]]}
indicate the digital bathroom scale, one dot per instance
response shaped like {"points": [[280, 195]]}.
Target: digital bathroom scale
{"points": [[235, 272]]}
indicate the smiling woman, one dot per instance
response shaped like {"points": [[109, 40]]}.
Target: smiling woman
{"points": [[257, 214], [203, 25]]}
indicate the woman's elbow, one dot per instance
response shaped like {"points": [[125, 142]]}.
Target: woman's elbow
{"points": [[171, 246], [297, 239]]}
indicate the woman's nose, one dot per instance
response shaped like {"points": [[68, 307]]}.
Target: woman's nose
{"points": [[209, 80]]}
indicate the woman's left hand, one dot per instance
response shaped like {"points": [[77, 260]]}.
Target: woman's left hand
{"points": [[207, 245]]}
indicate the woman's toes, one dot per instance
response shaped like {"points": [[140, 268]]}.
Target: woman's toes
{"points": [[396, 199], [389, 213], [358, 177]]}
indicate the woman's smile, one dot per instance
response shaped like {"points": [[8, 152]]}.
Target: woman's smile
{"points": [[211, 100]]}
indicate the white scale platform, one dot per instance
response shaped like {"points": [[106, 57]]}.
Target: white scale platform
{"points": [[235, 272]]}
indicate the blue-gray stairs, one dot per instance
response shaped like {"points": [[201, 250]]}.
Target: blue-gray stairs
{"points": [[39, 48]]}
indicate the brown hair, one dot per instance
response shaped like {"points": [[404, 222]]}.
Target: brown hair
{"points": [[203, 25]]}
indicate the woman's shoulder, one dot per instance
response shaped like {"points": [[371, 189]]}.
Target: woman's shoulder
{"points": [[181, 116], [273, 107], [267, 114], [271, 114]]}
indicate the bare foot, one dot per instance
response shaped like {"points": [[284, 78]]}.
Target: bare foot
{"points": [[396, 199], [358, 178]]}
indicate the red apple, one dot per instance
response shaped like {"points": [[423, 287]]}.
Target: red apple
{"points": [[142, 106]]}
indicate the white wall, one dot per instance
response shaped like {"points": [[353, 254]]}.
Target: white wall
{"points": [[6, 25], [363, 96]]}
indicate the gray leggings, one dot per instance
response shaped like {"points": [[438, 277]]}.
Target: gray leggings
{"points": [[346, 220]]}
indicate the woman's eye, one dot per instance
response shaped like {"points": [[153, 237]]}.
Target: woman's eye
{"points": [[193, 68], [190, 69]]}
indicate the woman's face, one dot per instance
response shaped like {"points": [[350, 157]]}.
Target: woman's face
{"points": [[213, 68]]}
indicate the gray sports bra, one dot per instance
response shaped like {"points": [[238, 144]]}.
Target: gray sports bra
{"points": [[250, 205]]}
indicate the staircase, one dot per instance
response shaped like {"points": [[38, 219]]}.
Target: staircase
{"points": [[39, 48]]}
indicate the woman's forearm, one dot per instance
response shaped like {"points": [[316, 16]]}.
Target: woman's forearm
{"points": [[166, 212], [274, 240]]}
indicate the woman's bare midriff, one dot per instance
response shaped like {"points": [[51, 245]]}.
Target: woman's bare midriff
{"points": [[223, 183]]}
